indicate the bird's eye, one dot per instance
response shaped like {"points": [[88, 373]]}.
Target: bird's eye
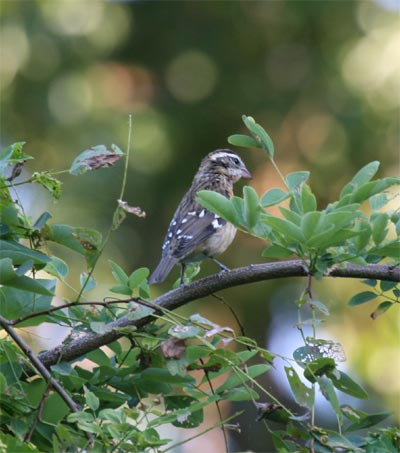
{"points": [[235, 160]]}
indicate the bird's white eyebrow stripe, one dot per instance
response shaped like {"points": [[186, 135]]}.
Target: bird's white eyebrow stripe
{"points": [[223, 154]]}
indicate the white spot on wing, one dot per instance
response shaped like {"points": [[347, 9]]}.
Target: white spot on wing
{"points": [[215, 223], [179, 231], [184, 220], [202, 213]]}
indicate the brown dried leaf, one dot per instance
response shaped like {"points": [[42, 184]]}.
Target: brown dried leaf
{"points": [[173, 348], [136, 210]]}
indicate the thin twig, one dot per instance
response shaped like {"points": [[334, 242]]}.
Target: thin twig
{"points": [[46, 393], [13, 322], [216, 404]]}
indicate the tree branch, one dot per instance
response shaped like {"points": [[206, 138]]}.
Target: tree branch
{"points": [[40, 368], [205, 287]]}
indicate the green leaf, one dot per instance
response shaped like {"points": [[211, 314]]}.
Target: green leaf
{"points": [[361, 177], [308, 199], [379, 224], [94, 158], [386, 285], [88, 282], [364, 234], [49, 182], [42, 220], [296, 179], [367, 421], [382, 308], [64, 235], [100, 327], [345, 384], [91, 399], [251, 206], [183, 332], [239, 378], [57, 267], [309, 224], [122, 289], [276, 251], [318, 305], [329, 393], [243, 140], [26, 302], [330, 238], [273, 197], [237, 204], [260, 135], [11, 155], [378, 201], [193, 353], [371, 188], [10, 278], [290, 231], [218, 204], [361, 298], [302, 394], [120, 276], [54, 410], [137, 277], [366, 173], [389, 249], [241, 394], [164, 376], [290, 215], [318, 367], [19, 254], [189, 418]]}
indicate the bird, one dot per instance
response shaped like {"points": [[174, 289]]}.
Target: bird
{"points": [[194, 232]]}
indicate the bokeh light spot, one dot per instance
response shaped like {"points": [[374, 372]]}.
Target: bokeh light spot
{"points": [[191, 76], [70, 98], [73, 17], [113, 28], [14, 52], [372, 68]]}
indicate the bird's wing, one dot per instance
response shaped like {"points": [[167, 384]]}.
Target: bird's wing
{"points": [[190, 227]]}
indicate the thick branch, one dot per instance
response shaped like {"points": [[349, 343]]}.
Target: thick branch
{"points": [[204, 287]]}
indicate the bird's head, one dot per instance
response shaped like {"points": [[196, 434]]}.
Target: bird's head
{"points": [[225, 162]]}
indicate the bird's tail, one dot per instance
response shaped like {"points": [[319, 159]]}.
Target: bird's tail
{"points": [[162, 270]]}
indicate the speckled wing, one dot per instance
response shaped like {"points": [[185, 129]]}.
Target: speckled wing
{"points": [[189, 228]]}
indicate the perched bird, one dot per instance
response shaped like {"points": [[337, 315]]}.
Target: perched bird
{"points": [[194, 232]]}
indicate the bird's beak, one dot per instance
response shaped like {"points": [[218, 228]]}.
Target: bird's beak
{"points": [[246, 174]]}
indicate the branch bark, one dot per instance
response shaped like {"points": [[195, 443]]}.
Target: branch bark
{"points": [[205, 287]]}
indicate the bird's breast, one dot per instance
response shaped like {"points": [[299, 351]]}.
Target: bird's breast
{"points": [[220, 240]]}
